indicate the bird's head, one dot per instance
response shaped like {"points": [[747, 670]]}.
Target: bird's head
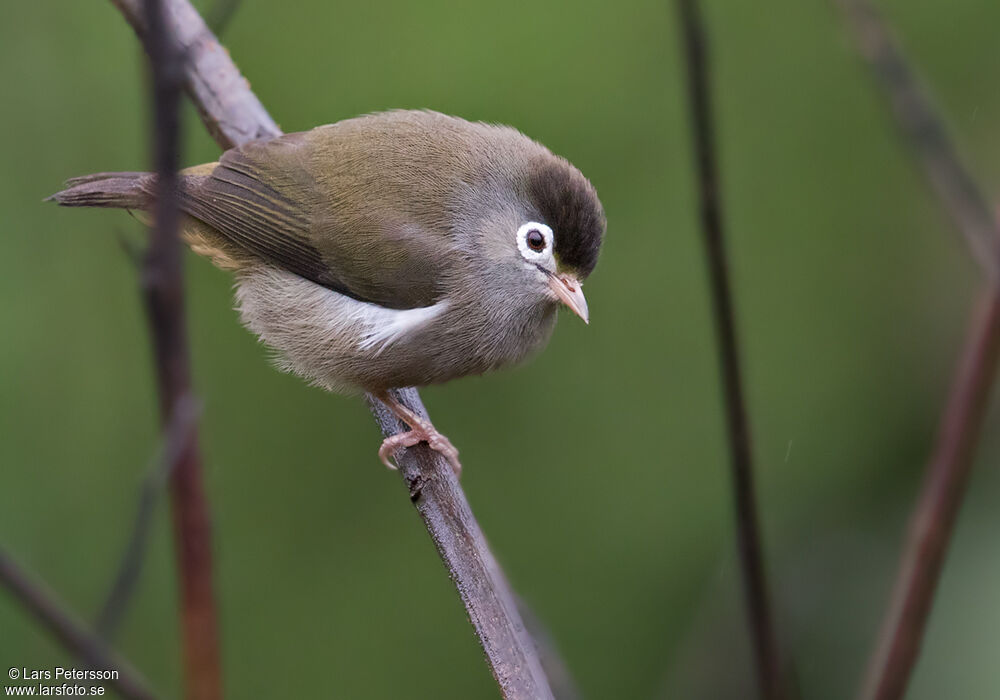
{"points": [[554, 232]]}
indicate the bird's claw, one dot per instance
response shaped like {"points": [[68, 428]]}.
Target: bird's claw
{"points": [[393, 443], [437, 442], [442, 445]]}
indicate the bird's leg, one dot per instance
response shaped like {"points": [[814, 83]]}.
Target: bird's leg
{"points": [[420, 430]]}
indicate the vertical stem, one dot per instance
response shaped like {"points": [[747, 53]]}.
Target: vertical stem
{"points": [[164, 292], [765, 645], [941, 497]]}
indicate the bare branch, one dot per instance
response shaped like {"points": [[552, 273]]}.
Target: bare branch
{"points": [[933, 518], [926, 134], [70, 632], [492, 609], [230, 111], [234, 116], [765, 643], [163, 288]]}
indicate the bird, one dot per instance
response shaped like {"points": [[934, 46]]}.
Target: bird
{"points": [[395, 249]]}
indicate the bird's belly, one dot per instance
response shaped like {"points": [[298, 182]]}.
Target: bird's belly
{"points": [[346, 345]]}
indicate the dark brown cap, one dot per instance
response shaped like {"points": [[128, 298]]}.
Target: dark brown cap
{"points": [[569, 205]]}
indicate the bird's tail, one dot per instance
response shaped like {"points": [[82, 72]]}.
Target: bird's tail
{"points": [[110, 190], [137, 193]]}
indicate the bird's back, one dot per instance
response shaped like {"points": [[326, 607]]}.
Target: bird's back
{"points": [[369, 206]]}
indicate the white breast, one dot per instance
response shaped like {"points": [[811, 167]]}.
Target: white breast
{"points": [[315, 329], [386, 326]]}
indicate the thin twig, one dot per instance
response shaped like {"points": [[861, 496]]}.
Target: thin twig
{"points": [[947, 475], [926, 134], [934, 516], [163, 288], [765, 643], [176, 436], [234, 116], [71, 633]]}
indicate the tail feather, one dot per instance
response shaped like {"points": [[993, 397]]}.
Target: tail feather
{"points": [[113, 190], [136, 192]]}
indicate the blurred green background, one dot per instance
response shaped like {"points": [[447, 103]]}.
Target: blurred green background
{"points": [[853, 293]]}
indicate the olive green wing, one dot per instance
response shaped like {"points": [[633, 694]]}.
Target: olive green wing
{"points": [[312, 203]]}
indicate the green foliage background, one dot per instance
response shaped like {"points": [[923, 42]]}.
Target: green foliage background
{"points": [[599, 471]]}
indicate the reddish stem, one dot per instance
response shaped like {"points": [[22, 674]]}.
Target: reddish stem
{"points": [[164, 291], [934, 517]]}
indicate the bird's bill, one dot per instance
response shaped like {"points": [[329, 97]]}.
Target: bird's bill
{"points": [[570, 292]]}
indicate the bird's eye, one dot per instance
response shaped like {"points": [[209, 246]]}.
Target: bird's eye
{"points": [[535, 240]]}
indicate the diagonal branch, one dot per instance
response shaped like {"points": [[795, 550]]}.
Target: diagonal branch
{"points": [[70, 632], [229, 109], [765, 643], [234, 116], [492, 607], [947, 475], [163, 290], [933, 519], [926, 134]]}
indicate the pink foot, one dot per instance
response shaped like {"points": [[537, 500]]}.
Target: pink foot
{"points": [[421, 433], [421, 430]]}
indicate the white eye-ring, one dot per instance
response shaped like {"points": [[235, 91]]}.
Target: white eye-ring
{"points": [[534, 240]]}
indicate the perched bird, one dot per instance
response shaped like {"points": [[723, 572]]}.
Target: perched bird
{"points": [[397, 249]]}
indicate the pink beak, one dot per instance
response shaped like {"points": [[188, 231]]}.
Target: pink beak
{"points": [[570, 292]]}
